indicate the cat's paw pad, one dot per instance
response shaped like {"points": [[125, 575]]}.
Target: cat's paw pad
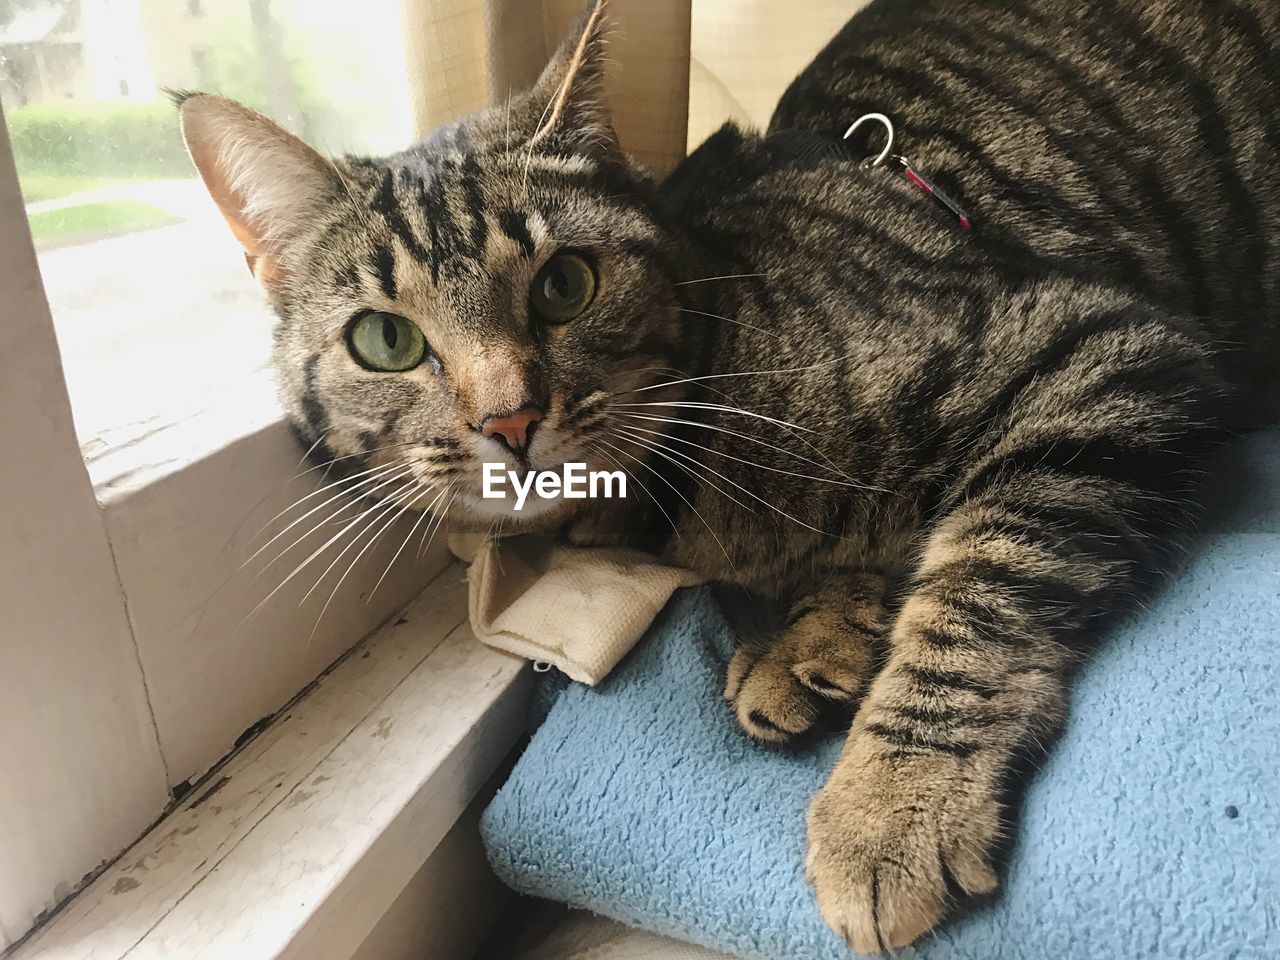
{"points": [[884, 859]]}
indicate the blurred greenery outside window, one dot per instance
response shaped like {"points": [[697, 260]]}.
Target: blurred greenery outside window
{"points": [[141, 275]]}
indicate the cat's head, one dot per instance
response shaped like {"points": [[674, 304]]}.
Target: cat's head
{"points": [[477, 298]]}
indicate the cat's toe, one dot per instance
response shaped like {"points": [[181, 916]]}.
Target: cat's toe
{"points": [[743, 660], [771, 704], [873, 906], [832, 679], [884, 859]]}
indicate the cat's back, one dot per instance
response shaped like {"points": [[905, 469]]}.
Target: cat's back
{"points": [[1135, 141]]}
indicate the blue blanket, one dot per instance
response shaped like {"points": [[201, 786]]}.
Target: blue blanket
{"points": [[1151, 831]]}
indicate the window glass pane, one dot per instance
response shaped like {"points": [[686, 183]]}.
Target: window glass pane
{"points": [[155, 311]]}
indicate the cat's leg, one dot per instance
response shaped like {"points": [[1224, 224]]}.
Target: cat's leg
{"points": [[779, 688], [1078, 500], [912, 806]]}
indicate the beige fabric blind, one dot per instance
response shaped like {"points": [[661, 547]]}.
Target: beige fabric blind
{"points": [[746, 52], [678, 68], [465, 54]]}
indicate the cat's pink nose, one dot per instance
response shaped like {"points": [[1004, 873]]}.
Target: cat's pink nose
{"points": [[515, 430]]}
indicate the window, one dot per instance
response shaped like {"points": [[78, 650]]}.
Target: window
{"points": [[129, 658], [155, 312]]}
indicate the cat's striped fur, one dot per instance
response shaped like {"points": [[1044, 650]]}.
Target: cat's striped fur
{"points": [[1014, 423]]}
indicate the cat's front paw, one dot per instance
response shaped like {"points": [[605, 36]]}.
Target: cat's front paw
{"points": [[887, 835], [780, 691], [815, 667]]}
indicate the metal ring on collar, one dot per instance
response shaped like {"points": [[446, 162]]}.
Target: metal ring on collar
{"points": [[888, 126]]}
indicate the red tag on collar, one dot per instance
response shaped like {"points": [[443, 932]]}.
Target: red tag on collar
{"points": [[924, 184]]}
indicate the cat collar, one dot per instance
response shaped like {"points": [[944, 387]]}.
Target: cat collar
{"points": [[909, 171]]}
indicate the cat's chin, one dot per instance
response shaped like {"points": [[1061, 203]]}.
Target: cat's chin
{"points": [[471, 513]]}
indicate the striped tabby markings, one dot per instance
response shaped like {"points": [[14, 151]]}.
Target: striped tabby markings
{"points": [[516, 226], [386, 204], [912, 807]]}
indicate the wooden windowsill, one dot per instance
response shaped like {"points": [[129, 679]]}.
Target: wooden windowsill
{"points": [[299, 843]]}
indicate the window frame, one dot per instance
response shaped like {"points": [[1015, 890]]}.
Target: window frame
{"points": [[162, 513], [74, 712]]}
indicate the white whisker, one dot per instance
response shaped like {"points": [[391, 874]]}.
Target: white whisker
{"points": [[870, 488], [739, 373], [508, 137], [655, 448], [266, 496], [303, 565], [351, 456], [311, 449], [727, 276], [788, 427], [370, 476], [828, 463], [429, 534], [686, 500], [407, 501], [533, 141], [750, 463], [740, 323], [613, 461], [719, 407], [388, 506], [739, 486], [426, 512]]}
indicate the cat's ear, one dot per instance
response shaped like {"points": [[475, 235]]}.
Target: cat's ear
{"points": [[267, 183], [570, 94]]}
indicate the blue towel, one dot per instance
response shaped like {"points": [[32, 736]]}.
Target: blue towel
{"points": [[1151, 830]]}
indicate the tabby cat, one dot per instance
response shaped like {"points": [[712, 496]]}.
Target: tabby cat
{"points": [[817, 378]]}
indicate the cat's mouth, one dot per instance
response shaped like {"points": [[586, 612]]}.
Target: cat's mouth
{"points": [[532, 511], [471, 482], [508, 497], [534, 491]]}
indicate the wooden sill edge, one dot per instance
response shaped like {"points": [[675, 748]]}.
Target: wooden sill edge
{"points": [[298, 844]]}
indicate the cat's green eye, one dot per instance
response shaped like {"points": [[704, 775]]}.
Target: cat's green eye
{"points": [[384, 341], [563, 288]]}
